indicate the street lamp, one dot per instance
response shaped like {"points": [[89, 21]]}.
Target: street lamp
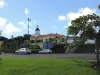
{"points": [[28, 24], [28, 30]]}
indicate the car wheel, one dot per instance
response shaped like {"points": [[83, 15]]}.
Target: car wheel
{"points": [[19, 53], [29, 53], [23, 53]]}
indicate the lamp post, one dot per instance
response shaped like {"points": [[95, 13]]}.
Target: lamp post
{"points": [[97, 48], [28, 24], [28, 30]]}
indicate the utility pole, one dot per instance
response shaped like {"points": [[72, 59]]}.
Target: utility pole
{"points": [[28, 24], [28, 30]]}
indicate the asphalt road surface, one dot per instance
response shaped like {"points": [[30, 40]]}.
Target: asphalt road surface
{"points": [[88, 56]]}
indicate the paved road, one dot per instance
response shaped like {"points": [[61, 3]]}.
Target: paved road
{"points": [[62, 56]]}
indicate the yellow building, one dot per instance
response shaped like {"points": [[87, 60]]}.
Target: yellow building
{"points": [[54, 38]]}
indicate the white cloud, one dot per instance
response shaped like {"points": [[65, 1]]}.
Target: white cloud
{"points": [[2, 3], [53, 26], [69, 22], [2, 22], [22, 24], [81, 12], [61, 17], [26, 11], [73, 15], [25, 25], [10, 28]]}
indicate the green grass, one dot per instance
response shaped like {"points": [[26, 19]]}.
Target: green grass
{"points": [[40, 66]]}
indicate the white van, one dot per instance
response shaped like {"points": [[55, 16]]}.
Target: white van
{"points": [[23, 51]]}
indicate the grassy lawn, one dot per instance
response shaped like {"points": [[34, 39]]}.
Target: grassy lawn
{"points": [[40, 66]]}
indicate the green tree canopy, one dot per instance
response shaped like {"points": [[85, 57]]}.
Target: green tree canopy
{"points": [[87, 24]]}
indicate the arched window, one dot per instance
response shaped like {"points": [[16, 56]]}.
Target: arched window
{"points": [[42, 40], [63, 40]]}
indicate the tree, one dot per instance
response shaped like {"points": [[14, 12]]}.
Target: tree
{"points": [[89, 33], [3, 38], [85, 24], [73, 30], [32, 41], [78, 25], [88, 25], [0, 35], [99, 6], [26, 36], [98, 40]]}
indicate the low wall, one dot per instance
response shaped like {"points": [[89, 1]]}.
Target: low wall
{"points": [[58, 48], [87, 48]]}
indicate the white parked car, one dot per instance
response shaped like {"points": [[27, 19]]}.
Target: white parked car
{"points": [[45, 51], [23, 51]]}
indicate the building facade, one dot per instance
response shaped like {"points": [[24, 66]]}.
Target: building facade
{"points": [[54, 38]]}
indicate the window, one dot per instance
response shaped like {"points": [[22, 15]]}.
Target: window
{"points": [[62, 39], [42, 40], [55, 41]]}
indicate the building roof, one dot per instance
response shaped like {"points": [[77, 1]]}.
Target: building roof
{"points": [[47, 35], [37, 29]]}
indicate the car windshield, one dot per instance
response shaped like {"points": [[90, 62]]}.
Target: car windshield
{"points": [[45, 50], [22, 49]]}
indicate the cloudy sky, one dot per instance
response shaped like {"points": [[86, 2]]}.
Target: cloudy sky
{"points": [[52, 16]]}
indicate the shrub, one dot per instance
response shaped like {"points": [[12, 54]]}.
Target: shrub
{"points": [[34, 47], [69, 47], [0, 51]]}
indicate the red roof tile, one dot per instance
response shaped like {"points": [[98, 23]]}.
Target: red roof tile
{"points": [[50, 35]]}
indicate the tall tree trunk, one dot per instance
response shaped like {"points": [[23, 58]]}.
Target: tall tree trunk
{"points": [[97, 52]]}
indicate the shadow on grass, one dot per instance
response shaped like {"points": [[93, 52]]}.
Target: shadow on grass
{"points": [[94, 66], [90, 64], [82, 63]]}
